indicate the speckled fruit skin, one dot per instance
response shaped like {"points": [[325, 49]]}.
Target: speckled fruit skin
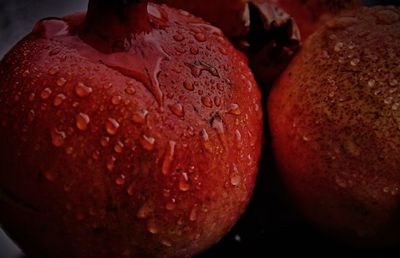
{"points": [[97, 164], [334, 118]]}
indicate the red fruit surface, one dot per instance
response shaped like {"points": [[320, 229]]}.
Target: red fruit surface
{"points": [[231, 16], [144, 145], [334, 119]]}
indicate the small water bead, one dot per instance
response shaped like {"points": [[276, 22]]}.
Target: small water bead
{"points": [[207, 101], [116, 100], [96, 155], [139, 116], [177, 109], [168, 157], [338, 47], [82, 90], [130, 91], [144, 211], [131, 190], [31, 116], [371, 83], [194, 50], [147, 142], [31, 97], [201, 37], [111, 163], [59, 99], [217, 101], [393, 82], [354, 62], [388, 100], [152, 227], [193, 214], [45, 94], [53, 70], [170, 206], [166, 243], [69, 150], [206, 140], [395, 106], [120, 180], [184, 182], [61, 81], [118, 148], [188, 85], [112, 126], [58, 137], [82, 121], [178, 37], [105, 141], [234, 109]]}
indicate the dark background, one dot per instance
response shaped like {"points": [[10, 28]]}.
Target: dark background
{"points": [[269, 228]]}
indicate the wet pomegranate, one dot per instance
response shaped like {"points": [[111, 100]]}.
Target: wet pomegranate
{"points": [[131, 131], [334, 118]]}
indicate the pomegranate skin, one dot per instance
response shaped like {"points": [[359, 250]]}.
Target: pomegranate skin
{"points": [[149, 151], [334, 123]]}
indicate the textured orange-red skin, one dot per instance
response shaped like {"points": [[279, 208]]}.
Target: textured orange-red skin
{"points": [[334, 125], [58, 197]]}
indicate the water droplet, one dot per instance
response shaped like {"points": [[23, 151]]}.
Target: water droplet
{"points": [[120, 180], [207, 102], [194, 50], [234, 109], [130, 91], [144, 211], [139, 116], [82, 90], [338, 47], [58, 137], [112, 126], [217, 101], [188, 85], [206, 140], [104, 141], [177, 109], [184, 182], [371, 83], [170, 206], [82, 121], [200, 37], [193, 214], [393, 82], [341, 182], [178, 37], [59, 99], [31, 116], [116, 100], [61, 81], [184, 13], [395, 106], [166, 243], [31, 97], [354, 62], [235, 180], [306, 138], [118, 148], [111, 163], [168, 157], [96, 155], [53, 70], [218, 125], [45, 94], [388, 100], [152, 227], [49, 176], [147, 142], [238, 136]]}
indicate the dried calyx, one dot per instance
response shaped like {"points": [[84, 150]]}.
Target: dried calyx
{"points": [[271, 42]]}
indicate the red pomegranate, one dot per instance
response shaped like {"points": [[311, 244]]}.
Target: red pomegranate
{"points": [[131, 131]]}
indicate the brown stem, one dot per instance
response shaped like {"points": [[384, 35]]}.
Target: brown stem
{"points": [[110, 22]]}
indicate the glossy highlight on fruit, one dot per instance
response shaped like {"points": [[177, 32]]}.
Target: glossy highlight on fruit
{"points": [[119, 134], [334, 118]]}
